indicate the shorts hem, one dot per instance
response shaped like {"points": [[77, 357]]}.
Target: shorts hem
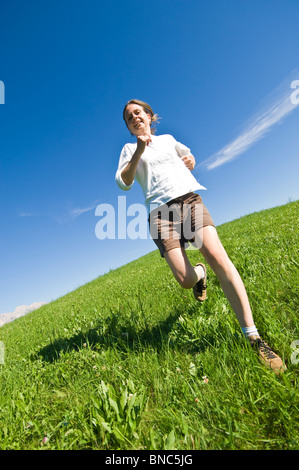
{"points": [[165, 249]]}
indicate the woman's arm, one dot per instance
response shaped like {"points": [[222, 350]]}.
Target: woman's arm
{"points": [[129, 171]]}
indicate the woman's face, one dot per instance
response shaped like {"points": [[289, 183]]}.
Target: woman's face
{"points": [[138, 121]]}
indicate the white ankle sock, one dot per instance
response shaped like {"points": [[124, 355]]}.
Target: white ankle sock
{"points": [[199, 272], [250, 331]]}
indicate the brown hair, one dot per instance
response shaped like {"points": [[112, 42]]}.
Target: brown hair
{"points": [[147, 108]]}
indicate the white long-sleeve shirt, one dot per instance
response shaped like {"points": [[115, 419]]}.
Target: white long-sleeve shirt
{"points": [[161, 173]]}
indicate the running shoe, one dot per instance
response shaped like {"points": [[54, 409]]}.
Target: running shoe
{"points": [[267, 355], [200, 288]]}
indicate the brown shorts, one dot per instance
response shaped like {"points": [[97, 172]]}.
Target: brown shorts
{"points": [[177, 222]]}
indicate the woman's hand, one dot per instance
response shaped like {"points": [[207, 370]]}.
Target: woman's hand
{"points": [[142, 142], [189, 161]]}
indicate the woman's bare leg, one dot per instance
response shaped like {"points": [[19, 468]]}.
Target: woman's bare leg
{"points": [[228, 276], [214, 253], [231, 283]]}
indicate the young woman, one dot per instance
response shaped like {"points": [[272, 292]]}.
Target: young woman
{"points": [[163, 168]]}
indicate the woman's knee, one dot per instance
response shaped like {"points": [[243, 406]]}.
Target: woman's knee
{"points": [[214, 252], [218, 259], [221, 265]]}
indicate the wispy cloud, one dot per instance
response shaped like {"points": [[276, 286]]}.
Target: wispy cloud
{"points": [[74, 213], [69, 214], [26, 214], [280, 103]]}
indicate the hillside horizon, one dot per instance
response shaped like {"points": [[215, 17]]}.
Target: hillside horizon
{"points": [[22, 310]]}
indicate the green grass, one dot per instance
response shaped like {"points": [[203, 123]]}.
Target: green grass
{"points": [[132, 361]]}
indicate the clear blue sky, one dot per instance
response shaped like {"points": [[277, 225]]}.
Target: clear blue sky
{"points": [[207, 67]]}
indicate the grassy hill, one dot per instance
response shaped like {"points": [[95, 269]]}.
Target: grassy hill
{"points": [[132, 361]]}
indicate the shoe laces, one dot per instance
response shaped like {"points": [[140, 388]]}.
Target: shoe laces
{"points": [[265, 349]]}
